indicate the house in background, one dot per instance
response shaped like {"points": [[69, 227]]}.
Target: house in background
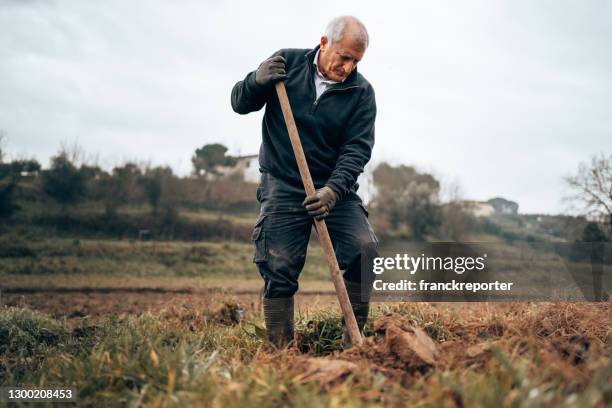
{"points": [[246, 167], [487, 208], [478, 208]]}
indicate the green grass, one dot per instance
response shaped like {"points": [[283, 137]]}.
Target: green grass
{"points": [[48, 206], [155, 357], [181, 357], [19, 256]]}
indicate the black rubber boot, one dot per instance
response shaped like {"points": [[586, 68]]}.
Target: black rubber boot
{"points": [[361, 307], [278, 314]]}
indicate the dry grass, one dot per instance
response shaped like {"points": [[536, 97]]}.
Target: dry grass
{"points": [[513, 354]]}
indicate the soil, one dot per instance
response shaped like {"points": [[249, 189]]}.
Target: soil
{"points": [[98, 304]]}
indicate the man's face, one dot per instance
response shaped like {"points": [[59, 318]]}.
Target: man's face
{"points": [[338, 60]]}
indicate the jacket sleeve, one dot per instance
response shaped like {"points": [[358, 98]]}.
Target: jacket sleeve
{"points": [[357, 148], [248, 96]]}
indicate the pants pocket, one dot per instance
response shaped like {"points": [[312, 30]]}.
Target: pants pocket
{"points": [[373, 237], [258, 237]]}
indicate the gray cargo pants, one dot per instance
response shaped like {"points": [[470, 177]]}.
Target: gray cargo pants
{"points": [[282, 231]]}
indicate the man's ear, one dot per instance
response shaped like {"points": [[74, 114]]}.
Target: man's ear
{"points": [[323, 44]]}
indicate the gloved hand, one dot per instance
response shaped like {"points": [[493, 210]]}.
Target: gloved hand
{"points": [[321, 203], [270, 71]]}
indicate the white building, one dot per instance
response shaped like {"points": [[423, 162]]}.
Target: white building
{"points": [[246, 166], [479, 208]]}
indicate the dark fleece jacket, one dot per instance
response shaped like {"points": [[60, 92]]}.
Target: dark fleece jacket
{"points": [[337, 130]]}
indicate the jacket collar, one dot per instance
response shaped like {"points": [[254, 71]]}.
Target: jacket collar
{"points": [[350, 81]]}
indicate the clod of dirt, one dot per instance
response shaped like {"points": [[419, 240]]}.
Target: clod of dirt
{"points": [[325, 370], [384, 322], [400, 352], [412, 345], [409, 343], [229, 314]]}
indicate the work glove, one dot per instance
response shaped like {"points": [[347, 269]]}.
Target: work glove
{"points": [[321, 202], [270, 71]]}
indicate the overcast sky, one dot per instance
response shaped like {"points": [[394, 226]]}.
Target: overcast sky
{"points": [[504, 98]]}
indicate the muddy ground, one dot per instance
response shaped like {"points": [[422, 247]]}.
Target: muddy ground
{"points": [[99, 304]]}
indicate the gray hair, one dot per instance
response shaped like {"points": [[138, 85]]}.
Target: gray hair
{"points": [[336, 28]]}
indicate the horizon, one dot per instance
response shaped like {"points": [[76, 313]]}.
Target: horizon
{"points": [[364, 180]]}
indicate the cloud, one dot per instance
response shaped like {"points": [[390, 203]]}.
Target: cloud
{"points": [[505, 97]]}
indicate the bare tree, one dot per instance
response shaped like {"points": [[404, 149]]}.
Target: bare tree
{"points": [[63, 181], [3, 140], [456, 219], [592, 187], [74, 152]]}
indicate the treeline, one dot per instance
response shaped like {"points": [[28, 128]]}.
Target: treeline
{"points": [[68, 183], [406, 203]]}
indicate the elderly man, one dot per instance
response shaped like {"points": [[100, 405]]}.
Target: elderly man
{"points": [[334, 110]]}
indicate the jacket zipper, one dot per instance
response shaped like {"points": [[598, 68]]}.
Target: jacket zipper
{"points": [[313, 107]]}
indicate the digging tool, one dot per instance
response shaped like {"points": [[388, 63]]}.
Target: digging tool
{"points": [[345, 304]]}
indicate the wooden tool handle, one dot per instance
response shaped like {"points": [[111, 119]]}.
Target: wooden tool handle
{"points": [[345, 304]]}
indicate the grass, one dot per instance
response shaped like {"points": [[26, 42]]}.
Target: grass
{"points": [[207, 350], [53, 256], [180, 357], [109, 283]]}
